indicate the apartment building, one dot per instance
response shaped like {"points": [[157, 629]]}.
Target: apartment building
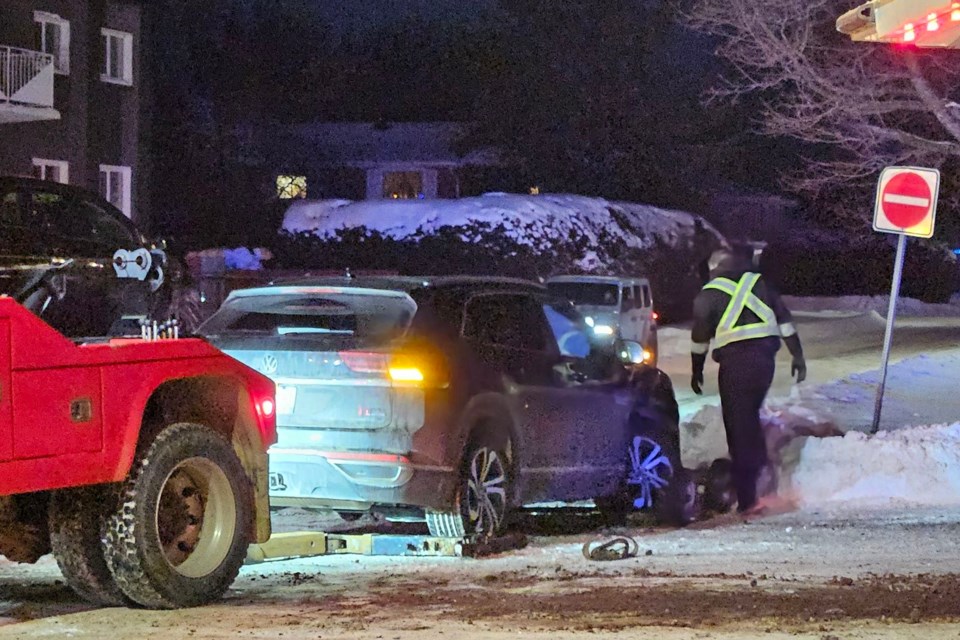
{"points": [[71, 84]]}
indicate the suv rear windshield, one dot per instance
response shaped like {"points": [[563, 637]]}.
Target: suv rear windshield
{"points": [[595, 294], [364, 315]]}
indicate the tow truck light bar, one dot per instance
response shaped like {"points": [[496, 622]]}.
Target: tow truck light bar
{"points": [[922, 23]]}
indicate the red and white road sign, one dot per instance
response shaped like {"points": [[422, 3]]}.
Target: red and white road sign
{"points": [[907, 201]]}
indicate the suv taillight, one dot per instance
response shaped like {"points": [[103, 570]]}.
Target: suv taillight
{"points": [[364, 361]]}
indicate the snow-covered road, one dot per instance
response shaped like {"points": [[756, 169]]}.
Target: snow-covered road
{"points": [[834, 569]]}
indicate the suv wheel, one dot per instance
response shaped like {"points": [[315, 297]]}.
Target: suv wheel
{"points": [[483, 494], [656, 478]]}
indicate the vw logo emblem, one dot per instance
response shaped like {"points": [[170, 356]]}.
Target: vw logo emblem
{"points": [[269, 364]]}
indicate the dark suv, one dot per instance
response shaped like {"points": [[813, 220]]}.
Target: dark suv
{"points": [[75, 260], [461, 397]]}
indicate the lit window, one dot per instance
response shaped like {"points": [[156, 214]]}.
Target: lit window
{"points": [[289, 187], [403, 185], [117, 57], [54, 38], [54, 170], [115, 183]]}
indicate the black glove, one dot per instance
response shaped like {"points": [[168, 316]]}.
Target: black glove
{"points": [[799, 368], [696, 382]]}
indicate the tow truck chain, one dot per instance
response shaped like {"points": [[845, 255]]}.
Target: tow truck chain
{"points": [[619, 548]]}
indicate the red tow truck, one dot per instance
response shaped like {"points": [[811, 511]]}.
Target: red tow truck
{"points": [[140, 463]]}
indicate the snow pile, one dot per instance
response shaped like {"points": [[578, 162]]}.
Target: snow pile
{"points": [[537, 221], [816, 466], [917, 466], [879, 304]]}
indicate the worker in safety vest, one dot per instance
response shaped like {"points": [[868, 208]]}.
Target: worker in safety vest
{"points": [[746, 319]]}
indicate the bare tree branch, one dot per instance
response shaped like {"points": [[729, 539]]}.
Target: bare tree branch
{"points": [[870, 105]]}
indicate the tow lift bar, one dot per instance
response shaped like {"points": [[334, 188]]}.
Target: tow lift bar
{"points": [[305, 544]]}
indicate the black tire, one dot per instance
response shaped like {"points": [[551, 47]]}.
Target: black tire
{"points": [[77, 522], [486, 462], [719, 494], [678, 504], [182, 529], [615, 509]]}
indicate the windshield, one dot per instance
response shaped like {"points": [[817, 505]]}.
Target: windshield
{"points": [[379, 318], [594, 294]]}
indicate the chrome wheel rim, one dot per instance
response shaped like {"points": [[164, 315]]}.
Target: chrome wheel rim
{"points": [[486, 491], [196, 517], [650, 470]]}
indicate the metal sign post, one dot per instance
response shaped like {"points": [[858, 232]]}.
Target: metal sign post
{"points": [[907, 206], [888, 335]]}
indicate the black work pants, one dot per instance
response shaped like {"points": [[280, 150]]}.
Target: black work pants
{"points": [[746, 373]]}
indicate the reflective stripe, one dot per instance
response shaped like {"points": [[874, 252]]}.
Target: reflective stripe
{"points": [[741, 298], [699, 347], [787, 329]]}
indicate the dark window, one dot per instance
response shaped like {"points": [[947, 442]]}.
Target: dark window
{"points": [[81, 227], [647, 298], [438, 310], [374, 318], [19, 227], [586, 293], [106, 230], [631, 298], [511, 320]]}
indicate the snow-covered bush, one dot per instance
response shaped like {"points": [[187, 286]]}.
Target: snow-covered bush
{"points": [[498, 234]]}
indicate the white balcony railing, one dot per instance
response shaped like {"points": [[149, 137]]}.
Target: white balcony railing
{"points": [[26, 77]]}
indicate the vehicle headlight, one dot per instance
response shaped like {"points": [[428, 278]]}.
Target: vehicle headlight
{"points": [[603, 330], [589, 321]]}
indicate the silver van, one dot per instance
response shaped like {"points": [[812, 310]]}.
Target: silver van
{"points": [[617, 307]]}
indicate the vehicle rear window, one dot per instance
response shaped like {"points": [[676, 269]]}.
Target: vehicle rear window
{"points": [[369, 316], [589, 293]]}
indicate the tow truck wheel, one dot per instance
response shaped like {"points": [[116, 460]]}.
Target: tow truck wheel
{"points": [[77, 520], [182, 530]]}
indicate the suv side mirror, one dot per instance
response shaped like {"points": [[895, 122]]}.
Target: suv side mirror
{"points": [[630, 352]]}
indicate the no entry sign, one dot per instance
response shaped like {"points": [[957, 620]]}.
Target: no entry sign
{"points": [[907, 206], [907, 201]]}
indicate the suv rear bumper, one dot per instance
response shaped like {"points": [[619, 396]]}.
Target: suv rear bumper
{"points": [[316, 478]]}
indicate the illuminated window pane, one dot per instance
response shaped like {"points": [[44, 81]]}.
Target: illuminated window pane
{"points": [[403, 185], [289, 187]]}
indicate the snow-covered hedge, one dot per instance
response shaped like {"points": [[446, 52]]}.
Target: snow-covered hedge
{"points": [[518, 235]]}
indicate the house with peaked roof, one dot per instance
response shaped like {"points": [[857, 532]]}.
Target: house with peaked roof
{"points": [[369, 161]]}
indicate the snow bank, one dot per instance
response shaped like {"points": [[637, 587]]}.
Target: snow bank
{"points": [[816, 466], [919, 466], [537, 221]]}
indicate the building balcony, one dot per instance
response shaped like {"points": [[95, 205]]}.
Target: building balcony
{"points": [[26, 86]]}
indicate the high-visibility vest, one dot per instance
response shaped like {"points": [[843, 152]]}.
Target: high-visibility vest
{"points": [[742, 298]]}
